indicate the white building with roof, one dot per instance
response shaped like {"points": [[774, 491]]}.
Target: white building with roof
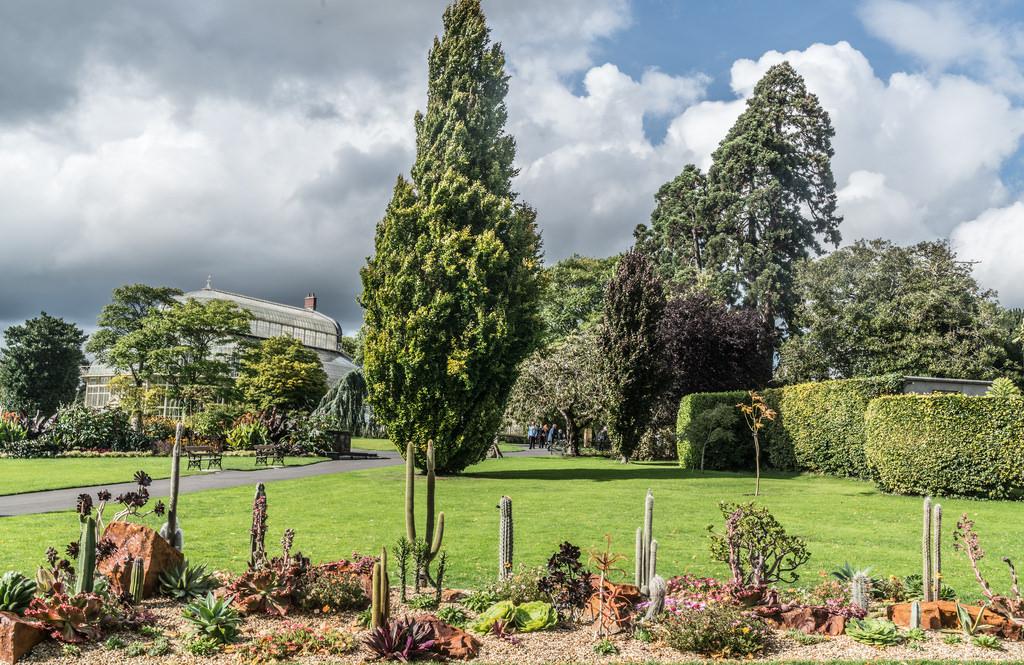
{"points": [[314, 329]]}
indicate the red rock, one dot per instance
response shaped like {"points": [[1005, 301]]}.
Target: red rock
{"points": [[452, 595], [17, 637], [619, 600], [135, 541], [941, 614], [450, 641], [809, 619]]}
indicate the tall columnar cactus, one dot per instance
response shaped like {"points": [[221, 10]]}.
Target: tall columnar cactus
{"points": [[86, 570], [432, 538], [860, 590], [646, 566], [506, 540], [137, 581], [380, 597], [937, 555], [258, 532], [170, 531], [926, 552]]}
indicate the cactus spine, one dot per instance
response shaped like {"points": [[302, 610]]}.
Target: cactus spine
{"points": [[432, 537], [170, 531], [86, 570], [380, 601], [137, 581], [926, 552], [937, 556], [860, 590], [505, 538], [646, 566]]}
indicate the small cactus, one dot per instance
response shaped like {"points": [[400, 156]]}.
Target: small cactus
{"points": [[915, 614], [860, 590], [137, 581], [926, 552], [258, 532], [380, 600], [657, 588], [86, 570], [505, 538], [646, 565], [937, 554]]}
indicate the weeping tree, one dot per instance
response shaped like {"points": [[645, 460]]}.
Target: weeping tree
{"points": [[451, 293], [344, 404]]}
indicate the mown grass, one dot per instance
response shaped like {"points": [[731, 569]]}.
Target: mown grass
{"points": [[556, 499]]}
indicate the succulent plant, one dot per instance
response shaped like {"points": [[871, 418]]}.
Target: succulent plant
{"points": [[380, 597], [214, 618], [430, 546], [69, 618], [860, 590], [646, 565], [171, 530], [402, 639], [185, 582], [138, 580], [262, 591], [931, 552], [506, 541], [874, 632], [258, 532], [16, 592], [86, 570]]}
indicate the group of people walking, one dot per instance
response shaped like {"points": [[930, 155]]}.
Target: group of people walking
{"points": [[543, 435]]}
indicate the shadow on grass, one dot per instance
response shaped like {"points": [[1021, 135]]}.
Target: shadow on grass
{"points": [[633, 471]]}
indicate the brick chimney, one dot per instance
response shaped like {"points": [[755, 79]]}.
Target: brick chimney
{"points": [[310, 302]]}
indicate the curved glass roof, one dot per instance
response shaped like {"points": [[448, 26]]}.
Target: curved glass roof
{"points": [[286, 316]]}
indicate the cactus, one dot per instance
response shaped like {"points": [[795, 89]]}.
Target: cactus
{"points": [[402, 552], [646, 566], [937, 554], [915, 614], [926, 552], [657, 588], [860, 590], [431, 538], [137, 581], [442, 568], [380, 598], [505, 539], [258, 533], [170, 531], [86, 569]]}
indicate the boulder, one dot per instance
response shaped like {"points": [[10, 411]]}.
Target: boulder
{"points": [[17, 637], [809, 619], [453, 595], [616, 612], [452, 642], [136, 541], [941, 614]]}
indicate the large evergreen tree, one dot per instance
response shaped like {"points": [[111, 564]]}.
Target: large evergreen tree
{"points": [[41, 365], [632, 347], [451, 294]]}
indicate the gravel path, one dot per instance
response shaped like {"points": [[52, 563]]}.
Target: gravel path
{"points": [[64, 499]]}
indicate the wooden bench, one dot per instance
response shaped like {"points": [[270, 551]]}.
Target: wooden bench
{"points": [[267, 454], [198, 454]]}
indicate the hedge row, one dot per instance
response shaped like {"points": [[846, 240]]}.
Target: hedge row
{"points": [[947, 444], [819, 427]]}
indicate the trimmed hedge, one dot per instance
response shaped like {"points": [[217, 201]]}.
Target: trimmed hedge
{"points": [[947, 444], [819, 427], [717, 457]]}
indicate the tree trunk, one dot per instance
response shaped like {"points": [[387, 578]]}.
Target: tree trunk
{"points": [[572, 446]]}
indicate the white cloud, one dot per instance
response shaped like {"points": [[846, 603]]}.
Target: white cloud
{"points": [[996, 241]]}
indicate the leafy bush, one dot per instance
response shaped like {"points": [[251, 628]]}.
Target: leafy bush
{"points": [[719, 630], [453, 616], [79, 427], [29, 448], [184, 582], [334, 591], [567, 584], [875, 632], [426, 601], [215, 421], [764, 553], [947, 444], [724, 453], [11, 431], [247, 435], [214, 618], [158, 428], [16, 592]]}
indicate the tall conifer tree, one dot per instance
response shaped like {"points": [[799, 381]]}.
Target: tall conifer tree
{"points": [[451, 294]]}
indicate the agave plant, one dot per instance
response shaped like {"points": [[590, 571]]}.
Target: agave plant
{"points": [[16, 592], [184, 582], [214, 618], [402, 639]]}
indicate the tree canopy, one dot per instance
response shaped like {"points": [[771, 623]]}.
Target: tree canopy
{"points": [[873, 307], [41, 365], [573, 294], [280, 372], [451, 293]]}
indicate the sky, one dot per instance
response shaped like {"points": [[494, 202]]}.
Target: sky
{"points": [[257, 141]]}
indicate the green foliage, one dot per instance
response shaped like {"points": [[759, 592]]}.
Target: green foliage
{"points": [[946, 445], [605, 647], [202, 646], [528, 617], [214, 618], [135, 649], [425, 601], [282, 373], [574, 294], [16, 592], [296, 641], [735, 451], [504, 610], [804, 639], [185, 582], [987, 642], [213, 422], [78, 427], [71, 651], [915, 635], [161, 646], [451, 294], [876, 308], [632, 348], [766, 554], [522, 586], [344, 403], [453, 615], [874, 632], [114, 643], [11, 432], [1003, 388], [246, 435], [334, 591], [952, 639], [40, 365], [719, 630]]}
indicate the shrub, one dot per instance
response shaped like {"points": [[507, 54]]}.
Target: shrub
{"points": [[11, 432], [79, 427], [1003, 388], [567, 583], [334, 591], [725, 453], [947, 444], [215, 421], [246, 435], [719, 630], [764, 552], [213, 618], [29, 448], [453, 616], [158, 428]]}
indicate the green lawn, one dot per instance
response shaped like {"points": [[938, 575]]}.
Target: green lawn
{"points": [[387, 446], [557, 499], [30, 475]]}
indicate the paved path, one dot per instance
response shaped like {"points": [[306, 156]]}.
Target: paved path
{"points": [[49, 501]]}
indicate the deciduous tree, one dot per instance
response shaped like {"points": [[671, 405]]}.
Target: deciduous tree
{"points": [[282, 373], [573, 294]]}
